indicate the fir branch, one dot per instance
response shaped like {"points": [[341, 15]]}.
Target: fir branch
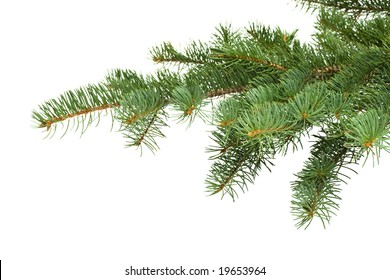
{"points": [[195, 53], [188, 100], [272, 39], [225, 35], [308, 106], [77, 103], [48, 123], [224, 184], [174, 60], [315, 192], [360, 69], [368, 132], [357, 6], [141, 114], [250, 59], [145, 132], [275, 91], [371, 32], [326, 71], [225, 91], [217, 80], [235, 167]]}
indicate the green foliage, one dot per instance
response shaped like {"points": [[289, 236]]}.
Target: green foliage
{"points": [[266, 90], [354, 7], [82, 104], [316, 189]]}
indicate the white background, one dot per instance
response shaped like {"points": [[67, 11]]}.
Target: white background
{"points": [[86, 208]]}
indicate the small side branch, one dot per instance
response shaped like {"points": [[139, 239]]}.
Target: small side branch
{"points": [[253, 59], [349, 7], [48, 123], [228, 180], [173, 60], [220, 92], [146, 130]]}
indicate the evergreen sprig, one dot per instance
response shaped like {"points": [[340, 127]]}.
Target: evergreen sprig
{"points": [[268, 90], [316, 189], [356, 7]]}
